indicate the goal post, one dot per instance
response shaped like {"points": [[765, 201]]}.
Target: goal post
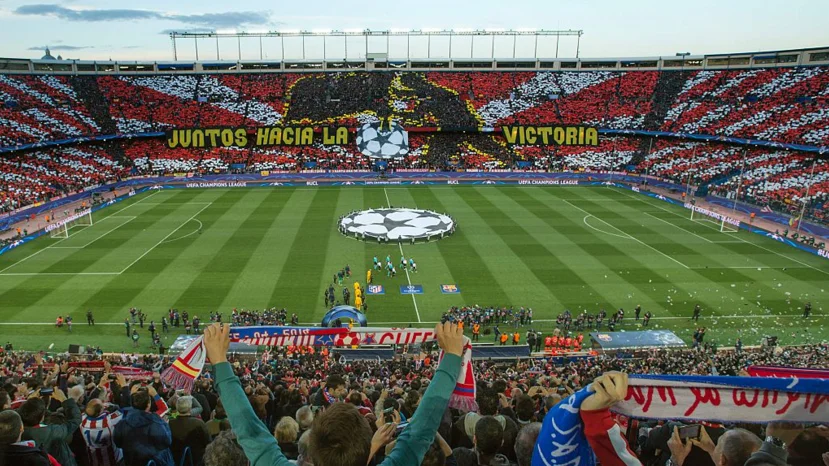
{"points": [[60, 229], [724, 223], [727, 226]]}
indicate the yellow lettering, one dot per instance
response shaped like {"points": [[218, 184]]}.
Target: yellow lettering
{"points": [[227, 137], [172, 139], [342, 135], [572, 135], [262, 136], [186, 137], [198, 138], [212, 133], [288, 136], [327, 139], [558, 135], [591, 137], [276, 137], [544, 133], [531, 131], [306, 137], [510, 134], [241, 137]]}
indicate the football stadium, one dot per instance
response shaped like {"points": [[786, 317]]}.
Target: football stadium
{"points": [[410, 246]]}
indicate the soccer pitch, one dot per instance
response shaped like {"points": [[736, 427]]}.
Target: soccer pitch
{"points": [[549, 248]]}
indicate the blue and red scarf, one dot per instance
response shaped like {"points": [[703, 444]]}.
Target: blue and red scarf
{"points": [[677, 397]]}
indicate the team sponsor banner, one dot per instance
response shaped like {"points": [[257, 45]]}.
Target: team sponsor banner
{"points": [[411, 289], [375, 289], [551, 135], [450, 289], [71, 218], [712, 214], [264, 136]]}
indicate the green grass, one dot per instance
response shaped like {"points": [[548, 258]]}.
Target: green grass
{"points": [[546, 248]]}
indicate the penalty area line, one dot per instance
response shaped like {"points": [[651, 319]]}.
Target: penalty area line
{"points": [[625, 233], [165, 238], [737, 237]]}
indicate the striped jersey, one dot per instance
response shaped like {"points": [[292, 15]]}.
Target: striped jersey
{"points": [[97, 433]]}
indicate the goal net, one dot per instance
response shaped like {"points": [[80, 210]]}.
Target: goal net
{"points": [[724, 223], [60, 229]]}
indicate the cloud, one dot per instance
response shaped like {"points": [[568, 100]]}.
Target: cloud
{"points": [[214, 20], [60, 47], [223, 20]]}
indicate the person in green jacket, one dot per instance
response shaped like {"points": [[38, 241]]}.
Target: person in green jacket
{"points": [[54, 438], [340, 436]]}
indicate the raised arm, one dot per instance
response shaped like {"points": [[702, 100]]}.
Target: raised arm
{"points": [[259, 445], [415, 440]]}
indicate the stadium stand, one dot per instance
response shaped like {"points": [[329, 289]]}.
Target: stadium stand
{"points": [[780, 105]]}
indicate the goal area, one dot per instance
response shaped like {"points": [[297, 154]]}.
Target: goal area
{"points": [[61, 228], [724, 223]]}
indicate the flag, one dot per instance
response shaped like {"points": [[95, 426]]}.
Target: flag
{"points": [[693, 398], [562, 440]]}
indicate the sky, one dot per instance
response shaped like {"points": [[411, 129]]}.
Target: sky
{"points": [[139, 30]]}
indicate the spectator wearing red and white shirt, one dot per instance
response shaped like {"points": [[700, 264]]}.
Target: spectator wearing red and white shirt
{"points": [[97, 427]]}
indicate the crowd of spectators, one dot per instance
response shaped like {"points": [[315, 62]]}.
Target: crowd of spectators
{"points": [[271, 316], [314, 408], [38, 176], [777, 104]]}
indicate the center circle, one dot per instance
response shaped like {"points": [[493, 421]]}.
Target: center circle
{"points": [[396, 224]]}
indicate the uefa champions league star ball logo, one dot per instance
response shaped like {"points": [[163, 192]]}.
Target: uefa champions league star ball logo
{"points": [[396, 224], [380, 141]]}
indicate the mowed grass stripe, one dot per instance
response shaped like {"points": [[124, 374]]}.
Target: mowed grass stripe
{"points": [[15, 256], [479, 285], [647, 231], [254, 284], [433, 270], [766, 283], [594, 258], [299, 281], [17, 285], [546, 204], [27, 297], [392, 306], [742, 243], [340, 251], [562, 281], [104, 255], [249, 218], [111, 302]]}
